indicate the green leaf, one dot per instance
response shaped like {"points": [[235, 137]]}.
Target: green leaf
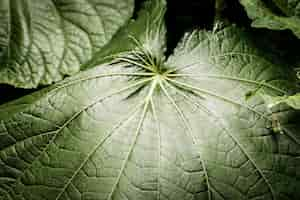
{"points": [[147, 32], [263, 15], [41, 41], [292, 101], [140, 127]]}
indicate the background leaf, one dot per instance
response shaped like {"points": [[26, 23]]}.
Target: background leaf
{"points": [[42, 41], [263, 15]]}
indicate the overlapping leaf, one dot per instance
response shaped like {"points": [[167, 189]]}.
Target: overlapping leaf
{"points": [[42, 41], [263, 15]]}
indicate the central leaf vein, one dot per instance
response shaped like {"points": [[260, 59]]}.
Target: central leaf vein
{"points": [[190, 131]]}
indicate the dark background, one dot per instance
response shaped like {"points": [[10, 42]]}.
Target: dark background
{"points": [[186, 15]]}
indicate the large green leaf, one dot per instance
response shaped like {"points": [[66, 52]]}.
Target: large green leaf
{"points": [[144, 128], [263, 15], [41, 41]]}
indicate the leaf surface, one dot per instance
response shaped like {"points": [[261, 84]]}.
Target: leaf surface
{"points": [[141, 127], [41, 41], [264, 16], [292, 101]]}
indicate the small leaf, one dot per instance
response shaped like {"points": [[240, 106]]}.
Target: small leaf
{"points": [[264, 17], [292, 101]]}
